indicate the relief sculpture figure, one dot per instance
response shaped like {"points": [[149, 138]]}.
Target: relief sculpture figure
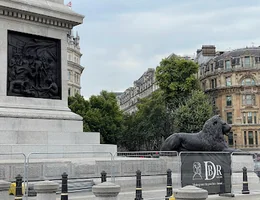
{"points": [[33, 66]]}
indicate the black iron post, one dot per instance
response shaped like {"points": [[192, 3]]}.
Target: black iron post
{"points": [[245, 182], [18, 188], [64, 186], [169, 185], [138, 193], [103, 176]]}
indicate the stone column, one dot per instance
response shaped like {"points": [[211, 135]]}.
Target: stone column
{"points": [[106, 191], [4, 187], [46, 190], [191, 193]]}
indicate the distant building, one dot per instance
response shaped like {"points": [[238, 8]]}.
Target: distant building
{"points": [[143, 87], [232, 79], [74, 68]]}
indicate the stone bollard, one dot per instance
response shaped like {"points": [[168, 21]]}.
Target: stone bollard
{"points": [[106, 191], [4, 187], [190, 192], [46, 190]]}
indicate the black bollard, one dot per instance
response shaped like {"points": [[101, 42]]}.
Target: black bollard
{"points": [[64, 186], [245, 182], [103, 176], [138, 193], [18, 188], [169, 185]]}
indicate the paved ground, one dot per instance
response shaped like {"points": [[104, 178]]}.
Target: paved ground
{"points": [[158, 193]]}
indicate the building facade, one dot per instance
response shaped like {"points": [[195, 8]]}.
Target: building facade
{"points": [[143, 87], [74, 68], [232, 79]]}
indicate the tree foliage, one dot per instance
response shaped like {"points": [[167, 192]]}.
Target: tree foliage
{"points": [[100, 114], [176, 78], [145, 129], [192, 114]]}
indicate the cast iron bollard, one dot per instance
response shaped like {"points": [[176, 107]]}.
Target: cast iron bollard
{"points": [[103, 176], [138, 193], [106, 190], [64, 186], [169, 185], [245, 189], [46, 190], [4, 187], [18, 188], [190, 192]]}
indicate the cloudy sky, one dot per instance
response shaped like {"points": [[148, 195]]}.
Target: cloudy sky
{"points": [[120, 39]]}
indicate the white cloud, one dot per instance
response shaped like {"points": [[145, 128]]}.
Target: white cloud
{"points": [[120, 44]]}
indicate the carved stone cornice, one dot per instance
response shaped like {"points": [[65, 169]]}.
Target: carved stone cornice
{"points": [[239, 89], [216, 73], [44, 12]]}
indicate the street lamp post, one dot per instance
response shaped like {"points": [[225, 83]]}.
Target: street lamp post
{"points": [[235, 137]]}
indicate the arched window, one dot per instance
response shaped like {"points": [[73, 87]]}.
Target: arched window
{"points": [[248, 81]]}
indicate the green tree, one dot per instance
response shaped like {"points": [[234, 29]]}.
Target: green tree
{"points": [[100, 114], [149, 125], [104, 116], [176, 78], [193, 113], [80, 106]]}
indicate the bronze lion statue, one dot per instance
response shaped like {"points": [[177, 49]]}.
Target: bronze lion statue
{"points": [[210, 138]]}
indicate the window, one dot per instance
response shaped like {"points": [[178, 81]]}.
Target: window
{"points": [[248, 81], [228, 81], [235, 61], [254, 118], [229, 117], [211, 66], [244, 118], [213, 83], [247, 61], [221, 63], [256, 138], [229, 100], [68, 75], [245, 138], [249, 118], [230, 139], [227, 64], [248, 99], [69, 92], [257, 59], [250, 138]]}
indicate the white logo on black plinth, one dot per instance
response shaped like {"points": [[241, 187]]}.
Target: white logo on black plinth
{"points": [[197, 171]]}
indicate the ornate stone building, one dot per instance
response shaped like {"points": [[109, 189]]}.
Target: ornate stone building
{"points": [[143, 87], [74, 68], [232, 79]]}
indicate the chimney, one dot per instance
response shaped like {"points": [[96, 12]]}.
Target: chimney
{"points": [[208, 50]]}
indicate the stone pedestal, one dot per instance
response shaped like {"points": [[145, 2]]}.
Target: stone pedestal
{"points": [[190, 193], [106, 191], [4, 187], [46, 190], [34, 78]]}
